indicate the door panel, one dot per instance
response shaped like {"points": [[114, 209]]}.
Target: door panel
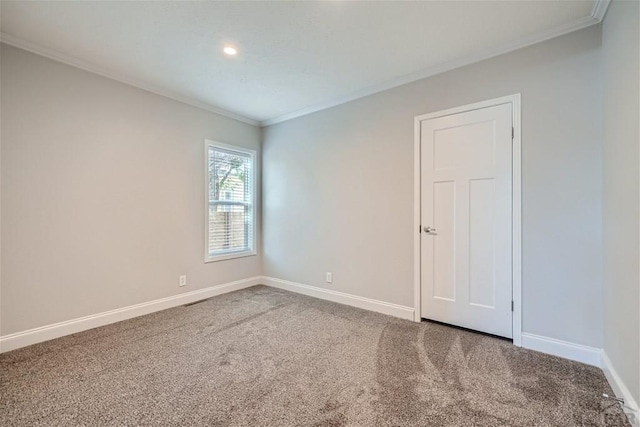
{"points": [[481, 243], [466, 196], [444, 254], [463, 146]]}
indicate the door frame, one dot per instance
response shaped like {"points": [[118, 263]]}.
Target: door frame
{"points": [[516, 205]]}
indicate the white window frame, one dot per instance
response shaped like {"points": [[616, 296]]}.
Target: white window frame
{"points": [[252, 154]]}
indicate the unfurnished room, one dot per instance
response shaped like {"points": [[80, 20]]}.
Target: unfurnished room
{"points": [[320, 213]]}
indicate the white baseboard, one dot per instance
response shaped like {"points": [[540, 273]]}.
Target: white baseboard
{"points": [[395, 310], [56, 330], [620, 389], [567, 350]]}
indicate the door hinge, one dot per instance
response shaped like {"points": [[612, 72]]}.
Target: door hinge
{"points": [[419, 229], [512, 305], [513, 133]]}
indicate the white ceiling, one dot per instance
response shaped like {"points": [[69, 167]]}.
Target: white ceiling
{"points": [[294, 57]]}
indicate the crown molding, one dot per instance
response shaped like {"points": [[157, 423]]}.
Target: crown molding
{"points": [[68, 60], [597, 14], [599, 9]]}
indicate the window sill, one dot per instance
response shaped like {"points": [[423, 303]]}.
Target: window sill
{"points": [[229, 256]]}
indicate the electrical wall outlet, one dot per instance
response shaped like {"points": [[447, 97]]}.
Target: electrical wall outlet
{"points": [[329, 277], [183, 281]]}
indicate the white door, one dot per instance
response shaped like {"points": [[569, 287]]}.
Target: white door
{"points": [[466, 219]]}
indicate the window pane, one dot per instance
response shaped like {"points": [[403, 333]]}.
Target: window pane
{"points": [[228, 173], [230, 191], [228, 229]]}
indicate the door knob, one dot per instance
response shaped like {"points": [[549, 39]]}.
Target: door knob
{"points": [[429, 230]]}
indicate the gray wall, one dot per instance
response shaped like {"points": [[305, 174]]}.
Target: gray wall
{"points": [[102, 193], [621, 203], [339, 185]]}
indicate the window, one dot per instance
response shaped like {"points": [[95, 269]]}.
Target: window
{"points": [[230, 201]]}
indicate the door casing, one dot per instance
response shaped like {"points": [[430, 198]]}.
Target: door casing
{"points": [[516, 210]]}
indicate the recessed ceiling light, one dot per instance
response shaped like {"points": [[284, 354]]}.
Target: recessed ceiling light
{"points": [[231, 51]]}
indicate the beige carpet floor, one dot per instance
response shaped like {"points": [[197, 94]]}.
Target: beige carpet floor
{"points": [[266, 357]]}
